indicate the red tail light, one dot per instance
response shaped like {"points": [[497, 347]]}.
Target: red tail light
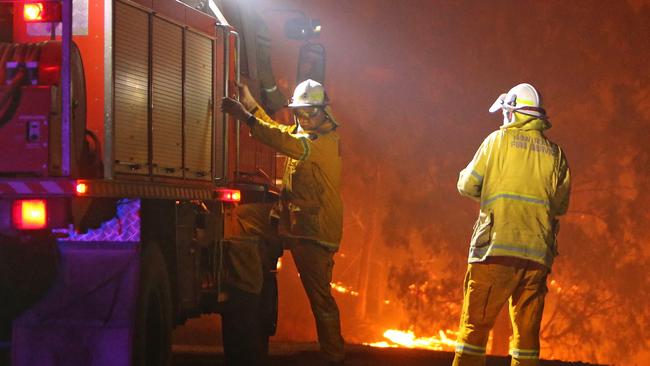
{"points": [[45, 11], [228, 195], [29, 214]]}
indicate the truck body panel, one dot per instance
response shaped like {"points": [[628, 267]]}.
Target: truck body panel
{"points": [[132, 189], [132, 92], [27, 134], [87, 317]]}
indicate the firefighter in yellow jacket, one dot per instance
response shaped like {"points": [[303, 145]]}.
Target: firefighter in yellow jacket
{"points": [[308, 217], [521, 180]]}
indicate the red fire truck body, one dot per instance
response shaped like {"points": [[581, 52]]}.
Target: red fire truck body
{"points": [[119, 174]]}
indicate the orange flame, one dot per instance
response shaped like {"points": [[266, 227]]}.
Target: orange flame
{"points": [[399, 338]]}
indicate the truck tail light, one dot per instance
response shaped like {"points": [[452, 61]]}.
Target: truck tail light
{"points": [[228, 195], [29, 214], [44, 11]]}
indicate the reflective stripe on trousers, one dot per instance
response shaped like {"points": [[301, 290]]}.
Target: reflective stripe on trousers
{"points": [[488, 286]]}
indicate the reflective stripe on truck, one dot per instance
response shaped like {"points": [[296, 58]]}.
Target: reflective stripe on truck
{"points": [[36, 187]]}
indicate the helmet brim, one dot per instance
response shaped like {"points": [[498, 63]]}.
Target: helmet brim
{"points": [[498, 104], [305, 105]]}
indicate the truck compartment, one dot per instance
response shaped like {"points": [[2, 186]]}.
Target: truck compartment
{"points": [[30, 102], [163, 90]]}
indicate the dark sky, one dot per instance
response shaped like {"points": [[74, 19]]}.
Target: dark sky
{"points": [[411, 82]]}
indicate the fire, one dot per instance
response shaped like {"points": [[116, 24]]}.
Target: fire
{"points": [[339, 287], [399, 338]]}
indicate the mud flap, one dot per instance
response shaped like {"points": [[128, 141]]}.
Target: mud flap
{"points": [[242, 264], [87, 318]]}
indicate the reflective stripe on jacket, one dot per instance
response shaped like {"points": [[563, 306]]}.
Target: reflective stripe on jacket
{"points": [[522, 181], [310, 204]]}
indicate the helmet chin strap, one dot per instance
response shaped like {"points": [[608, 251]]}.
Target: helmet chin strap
{"points": [[508, 113], [329, 126], [325, 126], [319, 128], [539, 110]]}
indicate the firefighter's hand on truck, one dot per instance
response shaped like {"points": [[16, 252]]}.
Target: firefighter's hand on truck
{"points": [[235, 109], [245, 97]]}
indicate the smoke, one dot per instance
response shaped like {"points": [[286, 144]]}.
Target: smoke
{"points": [[411, 83]]}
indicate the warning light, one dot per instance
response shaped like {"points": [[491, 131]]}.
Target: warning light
{"points": [[46, 12], [228, 195], [82, 188], [29, 214], [33, 12]]}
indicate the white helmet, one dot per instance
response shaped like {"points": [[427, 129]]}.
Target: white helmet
{"points": [[523, 99], [310, 93]]}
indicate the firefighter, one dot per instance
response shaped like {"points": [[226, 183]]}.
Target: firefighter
{"points": [[521, 180], [308, 217]]}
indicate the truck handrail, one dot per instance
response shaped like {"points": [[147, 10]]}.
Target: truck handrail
{"points": [[225, 29], [109, 134], [66, 81], [238, 79], [227, 33]]}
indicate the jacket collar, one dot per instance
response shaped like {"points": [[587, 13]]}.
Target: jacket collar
{"points": [[528, 123]]}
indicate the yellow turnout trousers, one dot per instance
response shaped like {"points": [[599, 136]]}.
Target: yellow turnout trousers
{"points": [[488, 285]]}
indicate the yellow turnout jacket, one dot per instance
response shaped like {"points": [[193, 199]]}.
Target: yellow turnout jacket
{"points": [[310, 204], [522, 182]]}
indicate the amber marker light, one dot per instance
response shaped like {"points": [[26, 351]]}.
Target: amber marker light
{"points": [[82, 188], [228, 195]]}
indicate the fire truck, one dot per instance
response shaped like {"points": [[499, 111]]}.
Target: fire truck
{"points": [[118, 173]]}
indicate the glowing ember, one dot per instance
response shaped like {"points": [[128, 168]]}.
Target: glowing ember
{"points": [[399, 338], [339, 287], [573, 290], [556, 286]]}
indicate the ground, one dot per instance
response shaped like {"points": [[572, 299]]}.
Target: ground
{"points": [[304, 354]]}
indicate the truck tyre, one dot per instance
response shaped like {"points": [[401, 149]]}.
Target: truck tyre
{"points": [[153, 323]]}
